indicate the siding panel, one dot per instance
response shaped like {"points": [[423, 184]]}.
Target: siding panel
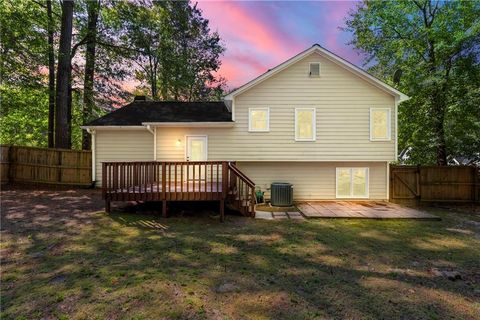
{"points": [[121, 145], [342, 101], [313, 180]]}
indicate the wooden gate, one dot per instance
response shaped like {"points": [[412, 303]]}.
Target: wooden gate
{"points": [[405, 182], [434, 183]]}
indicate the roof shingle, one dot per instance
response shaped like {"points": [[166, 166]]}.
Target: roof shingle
{"points": [[137, 112]]}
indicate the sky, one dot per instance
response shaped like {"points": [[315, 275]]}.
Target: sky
{"points": [[258, 35]]}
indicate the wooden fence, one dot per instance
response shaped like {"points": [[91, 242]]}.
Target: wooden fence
{"points": [[435, 183], [42, 165]]}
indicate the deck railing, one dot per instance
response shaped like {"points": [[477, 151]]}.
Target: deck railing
{"points": [[177, 181], [242, 190]]}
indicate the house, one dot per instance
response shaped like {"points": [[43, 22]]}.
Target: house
{"points": [[316, 121]]}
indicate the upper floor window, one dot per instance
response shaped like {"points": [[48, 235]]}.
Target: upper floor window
{"points": [[314, 69], [380, 124], [305, 124], [259, 119]]}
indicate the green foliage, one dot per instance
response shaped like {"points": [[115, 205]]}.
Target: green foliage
{"points": [[174, 53], [436, 46], [166, 41], [24, 116]]}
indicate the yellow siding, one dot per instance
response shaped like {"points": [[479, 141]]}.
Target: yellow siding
{"points": [[121, 145], [313, 180], [342, 101]]}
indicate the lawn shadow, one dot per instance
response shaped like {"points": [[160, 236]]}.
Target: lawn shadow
{"points": [[124, 264]]}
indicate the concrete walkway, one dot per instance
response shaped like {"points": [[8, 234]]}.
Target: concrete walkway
{"points": [[360, 209], [267, 215]]}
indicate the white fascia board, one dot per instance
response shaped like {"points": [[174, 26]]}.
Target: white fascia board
{"points": [[114, 127], [190, 124], [329, 55]]}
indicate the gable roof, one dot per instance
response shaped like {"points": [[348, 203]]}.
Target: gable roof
{"points": [[139, 112], [328, 55]]}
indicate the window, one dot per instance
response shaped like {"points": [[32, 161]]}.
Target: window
{"points": [[314, 69], [305, 124], [259, 119], [352, 183], [380, 124]]}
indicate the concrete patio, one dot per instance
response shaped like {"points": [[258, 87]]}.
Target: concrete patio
{"points": [[361, 210]]}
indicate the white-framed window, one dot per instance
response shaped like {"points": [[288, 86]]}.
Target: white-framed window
{"points": [[314, 69], [351, 182], [380, 124], [305, 124], [259, 119]]}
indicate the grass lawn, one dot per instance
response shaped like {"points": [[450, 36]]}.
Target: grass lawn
{"points": [[62, 257]]}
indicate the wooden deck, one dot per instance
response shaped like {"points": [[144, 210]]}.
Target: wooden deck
{"points": [[360, 210], [178, 181]]}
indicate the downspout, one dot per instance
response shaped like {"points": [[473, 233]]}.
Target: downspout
{"points": [[93, 148], [154, 132], [155, 143]]}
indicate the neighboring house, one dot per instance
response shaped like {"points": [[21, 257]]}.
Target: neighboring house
{"points": [[404, 156], [316, 121]]}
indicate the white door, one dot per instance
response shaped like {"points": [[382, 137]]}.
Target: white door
{"points": [[196, 150]]}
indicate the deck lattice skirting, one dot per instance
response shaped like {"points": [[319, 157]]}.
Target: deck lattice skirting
{"points": [[178, 181]]}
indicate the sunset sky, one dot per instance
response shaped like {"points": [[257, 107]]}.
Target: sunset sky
{"points": [[259, 35]]}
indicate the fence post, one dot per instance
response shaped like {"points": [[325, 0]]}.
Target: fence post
{"points": [[475, 186], [419, 185], [10, 177]]}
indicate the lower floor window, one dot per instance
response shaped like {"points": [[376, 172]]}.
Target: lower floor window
{"points": [[352, 183]]}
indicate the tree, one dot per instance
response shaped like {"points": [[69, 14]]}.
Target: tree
{"points": [[435, 44], [64, 71], [172, 47], [51, 76], [88, 95]]}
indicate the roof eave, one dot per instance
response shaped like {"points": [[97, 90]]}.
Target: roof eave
{"points": [[113, 127], [217, 124]]}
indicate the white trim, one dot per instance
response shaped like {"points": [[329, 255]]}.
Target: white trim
{"points": [[233, 109], [250, 119], [389, 124], [94, 149], [367, 180], [329, 55], [190, 124], [196, 136], [396, 128], [310, 68], [388, 180], [114, 127], [314, 123]]}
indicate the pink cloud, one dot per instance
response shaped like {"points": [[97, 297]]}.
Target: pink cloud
{"points": [[260, 35], [253, 45]]}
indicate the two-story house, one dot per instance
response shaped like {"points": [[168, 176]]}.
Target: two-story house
{"points": [[316, 121]]}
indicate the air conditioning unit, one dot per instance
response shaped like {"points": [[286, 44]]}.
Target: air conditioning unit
{"points": [[281, 194]]}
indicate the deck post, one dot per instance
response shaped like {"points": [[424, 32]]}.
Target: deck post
{"points": [[164, 208], [224, 190], [107, 206], [222, 210]]}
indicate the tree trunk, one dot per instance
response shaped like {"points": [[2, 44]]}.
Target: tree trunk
{"points": [[439, 130], [64, 70], [88, 96], [51, 78]]}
